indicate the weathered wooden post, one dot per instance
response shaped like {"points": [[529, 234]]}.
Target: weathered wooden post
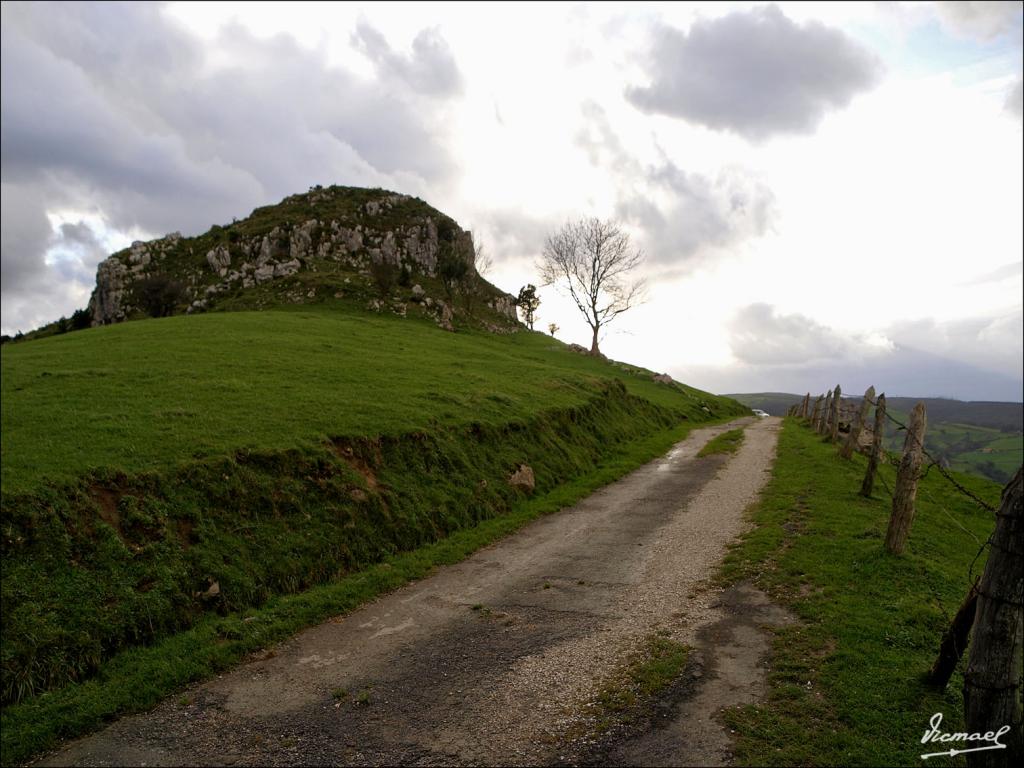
{"points": [[817, 411], [954, 640], [906, 483], [805, 406], [876, 448], [853, 439], [834, 423], [825, 410], [992, 681]]}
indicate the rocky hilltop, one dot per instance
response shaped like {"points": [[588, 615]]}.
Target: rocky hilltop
{"points": [[324, 245]]}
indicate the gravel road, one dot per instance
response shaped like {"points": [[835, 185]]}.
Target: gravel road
{"points": [[496, 659]]}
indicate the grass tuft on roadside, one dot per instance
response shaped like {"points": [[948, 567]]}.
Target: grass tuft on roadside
{"points": [[727, 442], [846, 685]]}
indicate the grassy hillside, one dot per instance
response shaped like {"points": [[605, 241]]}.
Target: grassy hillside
{"points": [[846, 685], [980, 438], [160, 474], [148, 396]]}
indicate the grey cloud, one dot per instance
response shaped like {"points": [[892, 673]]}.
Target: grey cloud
{"points": [[431, 70], [979, 20], [994, 343], [25, 234], [1015, 99], [679, 214], [756, 73], [112, 108], [34, 291], [77, 251], [762, 336]]}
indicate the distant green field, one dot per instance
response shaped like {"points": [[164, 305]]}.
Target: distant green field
{"points": [[968, 448], [150, 395]]}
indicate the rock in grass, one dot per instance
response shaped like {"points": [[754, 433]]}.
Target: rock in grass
{"points": [[522, 479]]}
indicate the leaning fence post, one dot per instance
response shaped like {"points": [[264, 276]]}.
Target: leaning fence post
{"points": [[853, 439], [805, 406], [834, 423], [993, 677], [954, 640], [826, 409], [876, 448], [906, 483]]}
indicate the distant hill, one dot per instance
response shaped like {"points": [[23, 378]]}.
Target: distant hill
{"points": [[334, 246], [983, 438]]}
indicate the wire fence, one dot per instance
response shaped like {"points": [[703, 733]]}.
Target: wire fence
{"points": [[888, 459]]}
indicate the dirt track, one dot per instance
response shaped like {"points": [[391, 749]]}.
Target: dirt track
{"points": [[494, 660]]}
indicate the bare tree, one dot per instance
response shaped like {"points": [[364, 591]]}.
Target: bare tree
{"points": [[482, 259], [592, 260]]}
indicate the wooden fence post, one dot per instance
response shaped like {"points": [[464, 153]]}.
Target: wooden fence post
{"points": [[805, 406], [834, 423], [906, 483], [826, 409], [993, 677], [876, 448], [954, 640], [817, 412], [853, 439]]}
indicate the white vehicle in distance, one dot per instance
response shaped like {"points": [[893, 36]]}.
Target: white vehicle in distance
{"points": [[760, 414]]}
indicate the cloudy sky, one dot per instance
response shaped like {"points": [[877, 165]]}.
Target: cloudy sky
{"points": [[824, 192]]}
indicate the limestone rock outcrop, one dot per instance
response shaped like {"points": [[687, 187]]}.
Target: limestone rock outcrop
{"points": [[323, 230]]}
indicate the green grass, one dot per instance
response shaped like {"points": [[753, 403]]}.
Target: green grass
{"points": [[151, 395], [846, 685], [727, 442], [647, 672], [137, 678]]}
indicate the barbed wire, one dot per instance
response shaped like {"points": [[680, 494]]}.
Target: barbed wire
{"points": [[933, 462], [890, 459]]}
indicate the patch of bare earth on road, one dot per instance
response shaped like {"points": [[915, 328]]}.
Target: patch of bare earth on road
{"points": [[494, 660]]}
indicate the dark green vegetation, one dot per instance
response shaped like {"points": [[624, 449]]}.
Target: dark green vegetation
{"points": [[727, 442], [847, 682], [164, 481], [981, 438]]}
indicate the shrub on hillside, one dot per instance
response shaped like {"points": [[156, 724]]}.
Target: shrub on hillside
{"points": [[80, 319], [159, 295], [383, 275]]}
